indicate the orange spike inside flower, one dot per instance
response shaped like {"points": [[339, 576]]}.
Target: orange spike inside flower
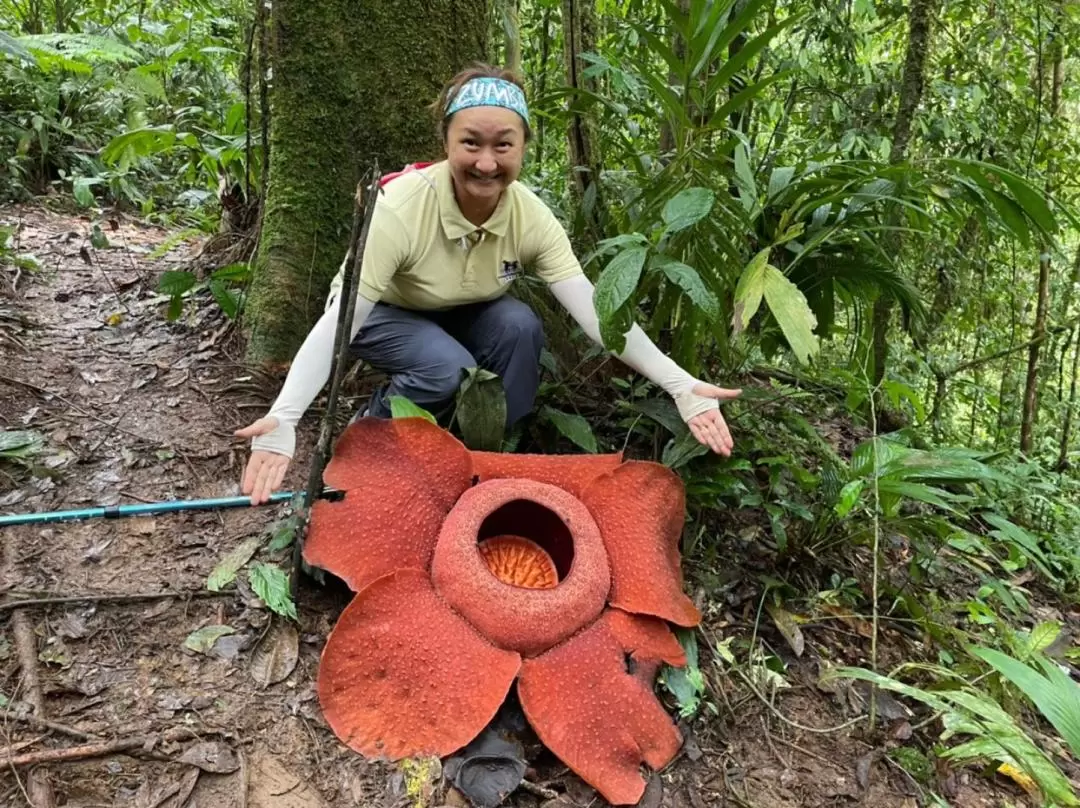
{"points": [[518, 561]]}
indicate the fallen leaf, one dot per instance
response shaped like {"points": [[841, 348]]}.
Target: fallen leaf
{"points": [[274, 786], [55, 653], [1021, 779], [72, 626], [93, 555], [861, 627], [226, 569], [211, 756], [203, 639], [862, 769], [789, 627], [229, 648], [144, 526], [275, 656]]}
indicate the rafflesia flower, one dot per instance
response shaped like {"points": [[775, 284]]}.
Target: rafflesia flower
{"points": [[473, 570]]}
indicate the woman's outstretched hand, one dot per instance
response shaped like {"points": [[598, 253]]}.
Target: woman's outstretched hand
{"points": [[265, 470], [710, 428]]}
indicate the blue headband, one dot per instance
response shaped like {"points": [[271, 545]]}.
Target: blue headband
{"points": [[489, 92]]}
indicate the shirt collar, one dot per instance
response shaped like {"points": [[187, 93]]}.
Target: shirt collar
{"points": [[454, 223]]}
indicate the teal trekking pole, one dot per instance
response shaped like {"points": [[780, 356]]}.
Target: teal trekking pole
{"points": [[145, 509]]}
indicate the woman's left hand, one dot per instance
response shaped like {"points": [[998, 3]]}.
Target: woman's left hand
{"points": [[710, 428]]}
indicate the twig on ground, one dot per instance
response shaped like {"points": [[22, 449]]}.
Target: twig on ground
{"points": [[42, 723], [39, 792], [245, 775], [122, 598], [538, 790], [93, 750], [769, 741]]}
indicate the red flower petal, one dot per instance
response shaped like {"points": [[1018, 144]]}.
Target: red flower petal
{"points": [[639, 508], [645, 638], [401, 477], [529, 621], [402, 675], [439, 458], [600, 720], [570, 472]]}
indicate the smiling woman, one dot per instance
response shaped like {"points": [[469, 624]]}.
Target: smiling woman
{"points": [[446, 243]]}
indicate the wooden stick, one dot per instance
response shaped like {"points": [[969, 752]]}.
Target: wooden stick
{"points": [[118, 598], [538, 790], [91, 750], [39, 791], [41, 723]]}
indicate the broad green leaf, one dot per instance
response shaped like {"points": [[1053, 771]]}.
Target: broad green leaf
{"points": [[687, 208], [1043, 636], [226, 569], [1029, 198], [98, 239], [80, 189], [663, 411], [749, 291], [788, 305], [573, 427], [1015, 534], [228, 299], [481, 410], [743, 172], [271, 584], [872, 192], [688, 279], [233, 273], [849, 495], [202, 640], [1057, 697], [681, 450], [618, 281], [780, 180], [175, 282], [19, 442], [401, 407]]}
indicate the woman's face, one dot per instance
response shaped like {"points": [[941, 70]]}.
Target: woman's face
{"points": [[485, 147]]}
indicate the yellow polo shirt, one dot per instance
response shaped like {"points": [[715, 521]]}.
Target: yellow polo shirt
{"points": [[422, 253]]}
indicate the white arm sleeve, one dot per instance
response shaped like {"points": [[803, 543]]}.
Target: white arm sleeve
{"points": [[576, 296], [309, 371]]}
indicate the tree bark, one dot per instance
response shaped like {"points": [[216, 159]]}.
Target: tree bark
{"points": [[920, 17], [579, 36], [1070, 410], [1031, 383], [351, 82]]}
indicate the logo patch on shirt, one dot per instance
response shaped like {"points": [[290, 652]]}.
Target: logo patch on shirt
{"points": [[510, 270]]}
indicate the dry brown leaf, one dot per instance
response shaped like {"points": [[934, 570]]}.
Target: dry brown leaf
{"points": [[211, 756], [275, 656], [789, 627]]}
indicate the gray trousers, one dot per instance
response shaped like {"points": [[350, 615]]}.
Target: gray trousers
{"points": [[425, 353]]}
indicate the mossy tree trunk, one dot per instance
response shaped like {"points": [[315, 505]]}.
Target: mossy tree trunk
{"points": [[352, 81]]}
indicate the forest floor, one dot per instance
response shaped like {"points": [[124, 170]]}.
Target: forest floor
{"points": [[138, 409]]}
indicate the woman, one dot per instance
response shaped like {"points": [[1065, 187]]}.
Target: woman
{"points": [[445, 244]]}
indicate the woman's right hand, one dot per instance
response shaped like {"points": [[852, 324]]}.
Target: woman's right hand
{"points": [[265, 470]]}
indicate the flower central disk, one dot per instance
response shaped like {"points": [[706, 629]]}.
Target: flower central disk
{"points": [[518, 561], [500, 519]]}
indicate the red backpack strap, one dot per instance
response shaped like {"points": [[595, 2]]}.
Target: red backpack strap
{"points": [[407, 169]]}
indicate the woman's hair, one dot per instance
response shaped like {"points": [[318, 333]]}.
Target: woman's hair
{"points": [[476, 70]]}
